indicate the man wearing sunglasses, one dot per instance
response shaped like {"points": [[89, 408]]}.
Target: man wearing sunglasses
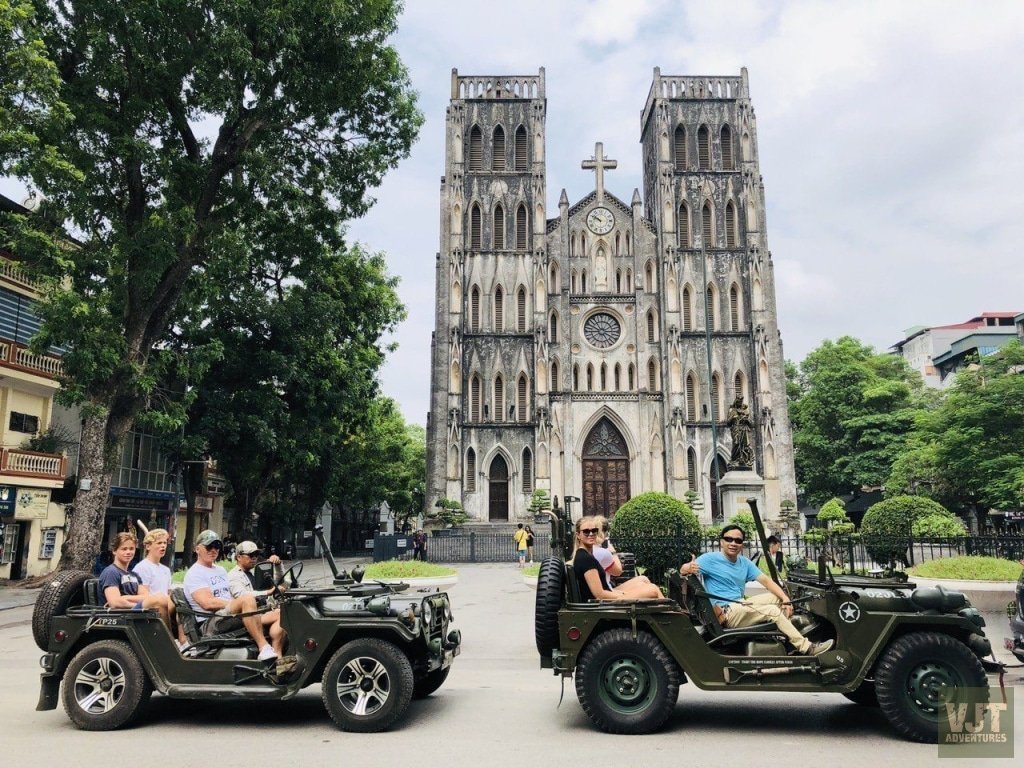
{"points": [[207, 589], [726, 574]]}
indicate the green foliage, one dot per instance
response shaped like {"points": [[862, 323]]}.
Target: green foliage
{"points": [[972, 447], [945, 526], [179, 575], [449, 512], [406, 569], [972, 568], [532, 570], [888, 525], [190, 146], [852, 411], [540, 502], [744, 520], [659, 529]]}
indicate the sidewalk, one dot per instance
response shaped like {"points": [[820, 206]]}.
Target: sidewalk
{"points": [[16, 597]]}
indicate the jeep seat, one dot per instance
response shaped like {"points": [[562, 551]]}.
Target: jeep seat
{"points": [[92, 593], [700, 608], [572, 587], [186, 618]]}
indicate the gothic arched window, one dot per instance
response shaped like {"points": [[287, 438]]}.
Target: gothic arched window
{"points": [[731, 235], [590, 377], [687, 309], [652, 375], [499, 227], [604, 377], [521, 409], [711, 309], [521, 310], [498, 147], [691, 398], [470, 470], [499, 310], [691, 469], [704, 148], [649, 277], [554, 376], [618, 377], [521, 228], [474, 227], [632, 377], [474, 398], [476, 149], [716, 393], [707, 226], [576, 378], [499, 398], [527, 471], [474, 310], [522, 147], [734, 308], [553, 328], [684, 226], [727, 154], [679, 148], [738, 388]]}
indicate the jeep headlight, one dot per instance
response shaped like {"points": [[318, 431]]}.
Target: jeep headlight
{"points": [[427, 611]]}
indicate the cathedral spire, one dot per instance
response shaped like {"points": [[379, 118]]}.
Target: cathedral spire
{"points": [[598, 163]]}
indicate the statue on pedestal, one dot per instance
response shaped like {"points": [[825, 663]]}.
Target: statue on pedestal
{"points": [[741, 428]]}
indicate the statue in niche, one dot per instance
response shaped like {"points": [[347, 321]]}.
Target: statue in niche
{"points": [[601, 269], [741, 428]]}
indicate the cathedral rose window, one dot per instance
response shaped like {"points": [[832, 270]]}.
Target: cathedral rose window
{"points": [[601, 330]]}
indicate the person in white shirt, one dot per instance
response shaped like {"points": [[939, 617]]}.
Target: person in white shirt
{"points": [[157, 576], [241, 581], [206, 587]]}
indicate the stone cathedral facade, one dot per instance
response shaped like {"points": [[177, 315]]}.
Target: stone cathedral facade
{"points": [[595, 354]]}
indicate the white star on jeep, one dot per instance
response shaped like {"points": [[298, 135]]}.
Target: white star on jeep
{"points": [[849, 612]]}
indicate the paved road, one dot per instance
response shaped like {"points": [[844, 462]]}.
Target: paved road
{"points": [[497, 709]]}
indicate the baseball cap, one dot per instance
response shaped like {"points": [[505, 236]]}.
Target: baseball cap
{"points": [[247, 548], [206, 538]]}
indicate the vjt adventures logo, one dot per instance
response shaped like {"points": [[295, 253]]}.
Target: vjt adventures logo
{"points": [[971, 726]]}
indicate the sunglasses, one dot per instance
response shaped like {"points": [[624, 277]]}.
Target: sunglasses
{"points": [[216, 545], [589, 531], [732, 539]]}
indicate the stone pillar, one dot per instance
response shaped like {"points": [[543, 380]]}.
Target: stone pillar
{"points": [[738, 485]]}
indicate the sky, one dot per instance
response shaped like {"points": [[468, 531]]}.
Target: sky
{"points": [[891, 140]]}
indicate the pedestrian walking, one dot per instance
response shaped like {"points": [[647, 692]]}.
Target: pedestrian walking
{"points": [[520, 539], [419, 545], [529, 543]]}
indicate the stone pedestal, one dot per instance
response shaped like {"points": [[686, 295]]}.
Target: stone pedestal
{"points": [[737, 486]]}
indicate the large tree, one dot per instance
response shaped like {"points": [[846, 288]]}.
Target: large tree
{"points": [[190, 123], [969, 452], [852, 414]]}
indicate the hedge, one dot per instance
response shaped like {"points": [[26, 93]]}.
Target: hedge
{"points": [[888, 525], [659, 529]]}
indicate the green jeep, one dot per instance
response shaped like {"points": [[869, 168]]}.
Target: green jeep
{"points": [[907, 650], [372, 646]]}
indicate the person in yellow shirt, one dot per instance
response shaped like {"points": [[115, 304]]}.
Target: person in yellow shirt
{"points": [[520, 537]]}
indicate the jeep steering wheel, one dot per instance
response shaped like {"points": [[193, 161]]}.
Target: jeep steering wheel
{"points": [[289, 578]]}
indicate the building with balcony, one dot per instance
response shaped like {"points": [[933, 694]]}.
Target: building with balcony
{"points": [[32, 467]]}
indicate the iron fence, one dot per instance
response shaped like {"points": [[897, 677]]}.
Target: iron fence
{"points": [[850, 553]]}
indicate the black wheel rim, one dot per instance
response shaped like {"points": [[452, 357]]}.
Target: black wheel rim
{"points": [[931, 684]]}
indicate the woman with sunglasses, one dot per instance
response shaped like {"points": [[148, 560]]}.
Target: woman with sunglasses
{"points": [[637, 588], [591, 577]]}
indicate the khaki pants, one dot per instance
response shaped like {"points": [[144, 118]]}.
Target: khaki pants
{"points": [[761, 609]]}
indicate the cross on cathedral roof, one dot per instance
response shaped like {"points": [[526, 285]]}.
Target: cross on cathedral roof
{"points": [[598, 163]]}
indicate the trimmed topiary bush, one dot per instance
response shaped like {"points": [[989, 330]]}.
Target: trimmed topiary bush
{"points": [[889, 524], [933, 526], [659, 529]]}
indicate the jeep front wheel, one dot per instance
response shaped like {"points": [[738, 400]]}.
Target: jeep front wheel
{"points": [[627, 685], [367, 685], [105, 686], [918, 674]]}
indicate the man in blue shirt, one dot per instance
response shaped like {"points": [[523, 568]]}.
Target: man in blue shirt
{"points": [[726, 574]]}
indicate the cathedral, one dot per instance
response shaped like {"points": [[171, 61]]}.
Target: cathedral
{"points": [[595, 354]]}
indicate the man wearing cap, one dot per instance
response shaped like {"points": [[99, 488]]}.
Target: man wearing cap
{"points": [[241, 582], [207, 590]]}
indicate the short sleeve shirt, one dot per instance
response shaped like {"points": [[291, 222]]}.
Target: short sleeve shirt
{"points": [[240, 582], [520, 537], [582, 562], [156, 576], [215, 579], [604, 558], [724, 578], [127, 583]]}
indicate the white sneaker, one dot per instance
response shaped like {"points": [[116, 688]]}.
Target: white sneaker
{"points": [[267, 654]]}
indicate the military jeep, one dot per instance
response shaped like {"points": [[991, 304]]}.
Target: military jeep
{"points": [[905, 649], [372, 646]]}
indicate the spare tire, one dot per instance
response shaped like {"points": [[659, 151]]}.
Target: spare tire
{"points": [[61, 591], [550, 591]]}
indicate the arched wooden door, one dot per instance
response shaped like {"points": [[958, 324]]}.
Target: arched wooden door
{"points": [[497, 499], [605, 470]]}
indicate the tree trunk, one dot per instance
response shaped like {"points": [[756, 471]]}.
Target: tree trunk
{"points": [[102, 442]]}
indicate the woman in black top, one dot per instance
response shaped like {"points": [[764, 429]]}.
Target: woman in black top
{"points": [[590, 575]]}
